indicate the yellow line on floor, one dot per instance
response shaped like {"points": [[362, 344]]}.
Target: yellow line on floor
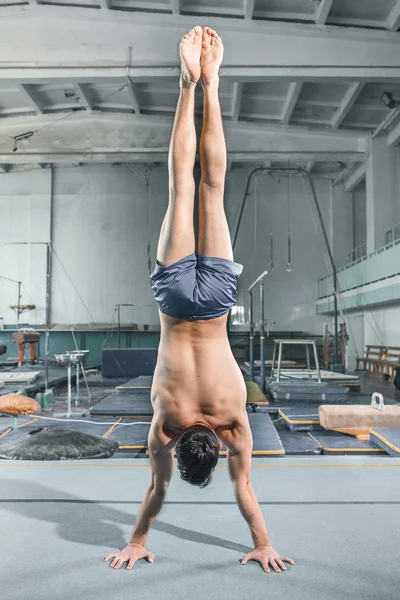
{"points": [[77, 464]]}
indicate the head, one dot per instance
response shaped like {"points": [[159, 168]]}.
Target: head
{"points": [[197, 453]]}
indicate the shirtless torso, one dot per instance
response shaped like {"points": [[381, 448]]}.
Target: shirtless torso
{"points": [[197, 380]]}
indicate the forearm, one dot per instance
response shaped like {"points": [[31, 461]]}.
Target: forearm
{"points": [[149, 509], [251, 511]]}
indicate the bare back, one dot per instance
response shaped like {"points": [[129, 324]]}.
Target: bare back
{"points": [[197, 377]]}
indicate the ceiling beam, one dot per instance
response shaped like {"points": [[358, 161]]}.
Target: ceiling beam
{"points": [[29, 97], [82, 136], [344, 173], [354, 179], [291, 101], [394, 135], [273, 50], [322, 11], [176, 6], [248, 7], [237, 100], [346, 104], [133, 96], [393, 20], [84, 96]]}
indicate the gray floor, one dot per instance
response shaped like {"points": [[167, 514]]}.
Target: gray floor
{"points": [[337, 517]]}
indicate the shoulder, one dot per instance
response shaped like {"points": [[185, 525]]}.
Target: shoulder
{"points": [[160, 439], [238, 437]]}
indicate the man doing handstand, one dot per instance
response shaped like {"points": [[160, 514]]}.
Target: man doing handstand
{"points": [[198, 393]]}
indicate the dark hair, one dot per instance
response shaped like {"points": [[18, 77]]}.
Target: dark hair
{"points": [[197, 453]]}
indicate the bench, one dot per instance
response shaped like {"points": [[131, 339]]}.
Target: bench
{"points": [[380, 360]]}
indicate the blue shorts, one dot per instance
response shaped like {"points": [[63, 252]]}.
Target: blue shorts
{"points": [[196, 287]]}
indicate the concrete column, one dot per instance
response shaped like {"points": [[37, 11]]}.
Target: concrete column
{"points": [[341, 224], [383, 183]]}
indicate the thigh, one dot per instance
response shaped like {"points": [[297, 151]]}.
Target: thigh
{"points": [[177, 238], [214, 237]]}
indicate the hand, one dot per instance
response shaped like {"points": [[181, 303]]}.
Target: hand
{"points": [[130, 554], [266, 556]]}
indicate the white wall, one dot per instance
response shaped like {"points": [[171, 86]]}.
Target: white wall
{"points": [[289, 297], [359, 215], [24, 217], [104, 219], [382, 326]]}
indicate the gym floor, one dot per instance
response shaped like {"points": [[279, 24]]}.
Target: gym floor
{"points": [[338, 518]]}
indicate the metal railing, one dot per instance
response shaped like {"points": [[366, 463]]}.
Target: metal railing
{"points": [[393, 234], [357, 254]]}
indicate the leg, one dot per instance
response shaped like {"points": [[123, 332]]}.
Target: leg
{"points": [[214, 237], [177, 238]]}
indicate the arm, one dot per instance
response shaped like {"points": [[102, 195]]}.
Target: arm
{"points": [[162, 464], [239, 462]]}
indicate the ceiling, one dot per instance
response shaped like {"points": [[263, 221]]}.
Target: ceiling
{"points": [[318, 104]]}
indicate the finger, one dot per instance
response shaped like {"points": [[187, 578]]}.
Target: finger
{"points": [[281, 564], [275, 566], [266, 567], [245, 559], [289, 560], [110, 556], [150, 557], [118, 563], [130, 564]]}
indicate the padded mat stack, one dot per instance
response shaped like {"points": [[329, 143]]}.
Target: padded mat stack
{"points": [[387, 439], [332, 442], [296, 443], [307, 392], [265, 437], [300, 418]]}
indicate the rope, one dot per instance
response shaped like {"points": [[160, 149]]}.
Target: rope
{"points": [[65, 420]]}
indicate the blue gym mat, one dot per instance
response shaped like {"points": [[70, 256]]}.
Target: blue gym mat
{"points": [[296, 443], [387, 439], [333, 442], [131, 437], [124, 405], [266, 441], [300, 418], [138, 385], [100, 381]]}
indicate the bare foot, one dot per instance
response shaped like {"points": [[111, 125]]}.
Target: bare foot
{"points": [[190, 55], [212, 51]]}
